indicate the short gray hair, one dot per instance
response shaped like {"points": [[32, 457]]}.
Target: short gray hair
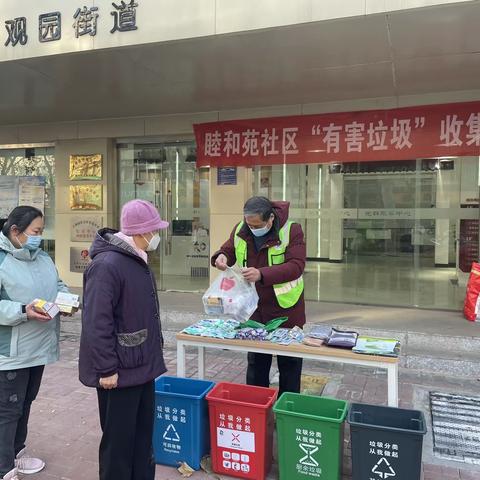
{"points": [[258, 206]]}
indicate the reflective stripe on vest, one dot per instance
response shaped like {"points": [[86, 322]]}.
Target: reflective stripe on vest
{"points": [[287, 293]]}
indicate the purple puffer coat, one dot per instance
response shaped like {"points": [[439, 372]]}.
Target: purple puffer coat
{"points": [[121, 330]]}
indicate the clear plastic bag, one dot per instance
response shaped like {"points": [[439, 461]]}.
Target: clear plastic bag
{"points": [[230, 295]]}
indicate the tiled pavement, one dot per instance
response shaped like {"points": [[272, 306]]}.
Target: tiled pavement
{"points": [[64, 427]]}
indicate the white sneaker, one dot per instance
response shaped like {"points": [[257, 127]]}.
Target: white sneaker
{"points": [[11, 475], [28, 465]]}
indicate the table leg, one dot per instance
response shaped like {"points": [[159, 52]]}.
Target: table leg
{"points": [[201, 362], [392, 373], [180, 359]]}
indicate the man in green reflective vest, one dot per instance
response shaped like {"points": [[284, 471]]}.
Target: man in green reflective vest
{"points": [[271, 250]]}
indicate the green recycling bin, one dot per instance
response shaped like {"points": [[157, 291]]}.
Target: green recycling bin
{"points": [[309, 436]]}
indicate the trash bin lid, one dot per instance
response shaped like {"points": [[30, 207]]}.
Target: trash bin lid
{"points": [[311, 406], [245, 395], [387, 418], [182, 387]]}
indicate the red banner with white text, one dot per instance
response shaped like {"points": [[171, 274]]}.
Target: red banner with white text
{"points": [[399, 134]]}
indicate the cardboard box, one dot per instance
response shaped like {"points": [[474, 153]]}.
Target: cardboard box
{"points": [[47, 308], [67, 309], [67, 302]]}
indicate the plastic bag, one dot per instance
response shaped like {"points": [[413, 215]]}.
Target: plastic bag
{"points": [[213, 327], [472, 297], [270, 326], [251, 324], [320, 332], [342, 338], [231, 295], [286, 336], [273, 324], [248, 333]]}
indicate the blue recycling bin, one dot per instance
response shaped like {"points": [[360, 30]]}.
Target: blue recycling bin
{"points": [[181, 430]]}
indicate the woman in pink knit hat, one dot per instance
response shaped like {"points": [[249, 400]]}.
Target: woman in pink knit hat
{"points": [[121, 347]]}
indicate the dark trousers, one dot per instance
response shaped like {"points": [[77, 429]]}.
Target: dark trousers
{"points": [[290, 369], [18, 389], [126, 418]]}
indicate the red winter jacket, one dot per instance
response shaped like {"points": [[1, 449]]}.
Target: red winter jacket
{"points": [[268, 307]]}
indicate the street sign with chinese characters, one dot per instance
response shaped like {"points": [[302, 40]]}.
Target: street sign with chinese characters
{"points": [[378, 135], [83, 20], [16, 31], [125, 17], [34, 28], [49, 27]]}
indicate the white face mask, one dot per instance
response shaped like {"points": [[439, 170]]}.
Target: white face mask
{"points": [[260, 232], [153, 243]]}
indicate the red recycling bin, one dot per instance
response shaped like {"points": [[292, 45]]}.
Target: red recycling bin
{"points": [[241, 429]]}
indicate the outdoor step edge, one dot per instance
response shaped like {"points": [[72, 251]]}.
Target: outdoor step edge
{"points": [[450, 367]]}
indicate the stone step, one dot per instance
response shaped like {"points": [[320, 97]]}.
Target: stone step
{"points": [[440, 354]]}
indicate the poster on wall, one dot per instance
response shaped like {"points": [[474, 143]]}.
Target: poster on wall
{"points": [[79, 259], [31, 191], [84, 229], [227, 176], [86, 167], [8, 195], [86, 197], [15, 191]]}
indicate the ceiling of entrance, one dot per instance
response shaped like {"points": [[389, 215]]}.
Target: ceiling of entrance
{"points": [[401, 53]]}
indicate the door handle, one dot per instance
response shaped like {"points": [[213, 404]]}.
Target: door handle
{"points": [[168, 243]]}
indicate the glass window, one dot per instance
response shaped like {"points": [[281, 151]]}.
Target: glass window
{"points": [[394, 233], [37, 161]]}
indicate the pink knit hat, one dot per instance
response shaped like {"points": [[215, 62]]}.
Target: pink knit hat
{"points": [[139, 217]]}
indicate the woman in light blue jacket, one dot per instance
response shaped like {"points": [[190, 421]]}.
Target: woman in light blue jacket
{"points": [[28, 340]]}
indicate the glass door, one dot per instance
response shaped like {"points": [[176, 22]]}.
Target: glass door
{"points": [[400, 233], [166, 175], [390, 242]]}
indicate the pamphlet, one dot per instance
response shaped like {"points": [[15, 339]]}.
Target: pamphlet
{"points": [[377, 346]]}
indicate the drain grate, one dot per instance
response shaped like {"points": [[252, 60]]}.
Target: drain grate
{"points": [[456, 426]]}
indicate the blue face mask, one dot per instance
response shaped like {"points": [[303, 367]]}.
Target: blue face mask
{"points": [[33, 242], [260, 232]]}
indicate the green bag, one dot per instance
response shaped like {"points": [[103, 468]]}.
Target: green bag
{"points": [[269, 327], [275, 323], [250, 324]]}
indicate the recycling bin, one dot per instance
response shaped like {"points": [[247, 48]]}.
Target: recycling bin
{"points": [[386, 442], [241, 429], [181, 431], [310, 436]]}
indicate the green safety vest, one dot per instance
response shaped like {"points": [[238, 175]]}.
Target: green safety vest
{"points": [[287, 293]]}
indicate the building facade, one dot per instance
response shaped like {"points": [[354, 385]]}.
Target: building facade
{"points": [[379, 100]]}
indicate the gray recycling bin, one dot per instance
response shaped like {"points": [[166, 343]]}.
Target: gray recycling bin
{"points": [[386, 442]]}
